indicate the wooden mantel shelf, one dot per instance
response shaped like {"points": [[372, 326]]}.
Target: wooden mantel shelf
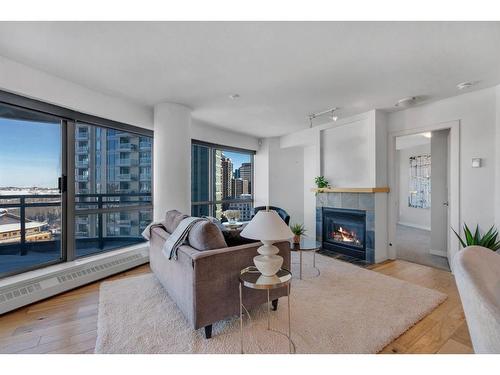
{"points": [[352, 190]]}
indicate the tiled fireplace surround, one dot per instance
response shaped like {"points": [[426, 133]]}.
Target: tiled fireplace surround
{"points": [[356, 201]]}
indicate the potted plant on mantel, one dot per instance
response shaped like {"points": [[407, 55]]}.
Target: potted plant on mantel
{"points": [[297, 230], [488, 240], [321, 183]]}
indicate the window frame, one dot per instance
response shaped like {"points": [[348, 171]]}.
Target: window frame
{"points": [[212, 202], [69, 118]]}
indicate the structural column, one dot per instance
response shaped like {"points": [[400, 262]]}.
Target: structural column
{"points": [[172, 159]]}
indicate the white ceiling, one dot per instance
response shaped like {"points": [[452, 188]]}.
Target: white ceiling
{"points": [[282, 70]]}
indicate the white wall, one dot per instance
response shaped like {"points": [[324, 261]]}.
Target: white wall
{"points": [[476, 113], [417, 217], [279, 178], [309, 140], [347, 155], [497, 160], [203, 131], [286, 176], [23, 80]]}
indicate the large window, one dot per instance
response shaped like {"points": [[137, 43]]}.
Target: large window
{"points": [[71, 185], [114, 206], [221, 179]]}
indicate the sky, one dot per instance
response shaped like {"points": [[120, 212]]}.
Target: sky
{"points": [[30, 153], [237, 158]]}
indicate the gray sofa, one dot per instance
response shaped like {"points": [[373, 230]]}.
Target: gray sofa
{"points": [[203, 281], [477, 273]]}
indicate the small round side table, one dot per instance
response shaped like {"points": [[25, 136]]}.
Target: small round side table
{"points": [[308, 245], [250, 277]]}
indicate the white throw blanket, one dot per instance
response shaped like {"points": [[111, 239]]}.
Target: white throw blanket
{"points": [[177, 238]]}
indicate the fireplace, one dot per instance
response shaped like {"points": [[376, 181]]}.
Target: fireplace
{"points": [[344, 231]]}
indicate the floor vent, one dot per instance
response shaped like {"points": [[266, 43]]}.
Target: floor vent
{"points": [[71, 276], [79, 273], [21, 292]]}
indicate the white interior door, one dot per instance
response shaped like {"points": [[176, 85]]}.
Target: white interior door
{"points": [[439, 192]]}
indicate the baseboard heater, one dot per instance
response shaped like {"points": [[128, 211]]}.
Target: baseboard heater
{"points": [[63, 277]]}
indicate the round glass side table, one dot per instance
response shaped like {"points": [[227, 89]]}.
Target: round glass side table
{"points": [[250, 277], [307, 245]]}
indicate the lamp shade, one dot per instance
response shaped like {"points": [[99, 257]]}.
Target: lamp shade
{"points": [[267, 226]]}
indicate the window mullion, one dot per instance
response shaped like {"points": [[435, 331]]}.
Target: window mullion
{"points": [[70, 191]]}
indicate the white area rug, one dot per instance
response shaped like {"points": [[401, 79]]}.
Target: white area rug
{"points": [[347, 309]]}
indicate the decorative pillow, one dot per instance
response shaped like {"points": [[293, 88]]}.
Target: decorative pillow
{"points": [[172, 220], [216, 222], [205, 235]]}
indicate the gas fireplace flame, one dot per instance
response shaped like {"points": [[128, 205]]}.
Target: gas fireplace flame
{"points": [[343, 235]]}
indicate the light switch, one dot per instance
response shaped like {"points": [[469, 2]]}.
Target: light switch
{"points": [[476, 162]]}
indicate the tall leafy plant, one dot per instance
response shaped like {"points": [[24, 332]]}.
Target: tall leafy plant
{"points": [[488, 240]]}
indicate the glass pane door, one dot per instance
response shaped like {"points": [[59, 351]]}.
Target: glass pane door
{"points": [[30, 198]]}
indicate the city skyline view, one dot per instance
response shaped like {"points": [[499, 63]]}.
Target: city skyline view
{"points": [[237, 158]]}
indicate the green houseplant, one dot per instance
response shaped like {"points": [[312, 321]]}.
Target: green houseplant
{"points": [[298, 230], [487, 240], [321, 182]]}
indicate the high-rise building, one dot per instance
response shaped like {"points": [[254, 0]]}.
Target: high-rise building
{"points": [[245, 208], [245, 171], [237, 187], [227, 177], [111, 161], [218, 183]]}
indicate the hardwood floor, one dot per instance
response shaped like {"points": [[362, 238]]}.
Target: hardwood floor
{"points": [[67, 323]]}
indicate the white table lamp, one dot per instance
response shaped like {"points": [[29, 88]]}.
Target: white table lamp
{"points": [[268, 227]]}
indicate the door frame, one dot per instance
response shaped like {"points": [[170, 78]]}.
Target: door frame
{"points": [[454, 187]]}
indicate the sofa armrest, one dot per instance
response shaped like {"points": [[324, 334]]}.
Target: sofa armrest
{"points": [[216, 281]]}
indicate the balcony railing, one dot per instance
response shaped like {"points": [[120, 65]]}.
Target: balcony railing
{"points": [[82, 177], [128, 162], [127, 147], [85, 205]]}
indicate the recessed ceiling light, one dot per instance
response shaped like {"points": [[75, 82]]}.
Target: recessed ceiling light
{"points": [[406, 102], [465, 85], [234, 96]]}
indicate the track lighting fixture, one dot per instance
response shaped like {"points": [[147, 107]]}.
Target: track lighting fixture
{"points": [[330, 112]]}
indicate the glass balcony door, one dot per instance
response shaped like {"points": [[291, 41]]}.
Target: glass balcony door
{"points": [[31, 190]]}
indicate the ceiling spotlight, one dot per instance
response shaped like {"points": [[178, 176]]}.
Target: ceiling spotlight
{"points": [[234, 96], [329, 112], [466, 85], [406, 102]]}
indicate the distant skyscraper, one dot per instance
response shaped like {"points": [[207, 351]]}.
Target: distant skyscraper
{"points": [[238, 187], [245, 172], [227, 177]]}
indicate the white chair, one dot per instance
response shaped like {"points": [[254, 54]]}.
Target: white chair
{"points": [[477, 273]]}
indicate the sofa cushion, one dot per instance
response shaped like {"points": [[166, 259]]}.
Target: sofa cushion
{"points": [[205, 235], [172, 220]]}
